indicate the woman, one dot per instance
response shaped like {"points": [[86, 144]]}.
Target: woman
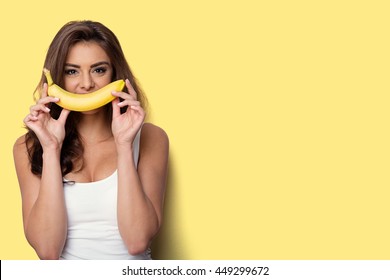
{"points": [[92, 183]]}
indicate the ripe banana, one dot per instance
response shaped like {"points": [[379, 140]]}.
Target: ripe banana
{"points": [[82, 102]]}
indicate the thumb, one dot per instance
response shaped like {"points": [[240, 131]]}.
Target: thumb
{"points": [[44, 90], [63, 116], [116, 111]]}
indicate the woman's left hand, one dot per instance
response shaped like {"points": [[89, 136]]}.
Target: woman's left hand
{"points": [[125, 126]]}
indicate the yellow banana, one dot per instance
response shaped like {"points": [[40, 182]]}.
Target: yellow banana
{"points": [[82, 102]]}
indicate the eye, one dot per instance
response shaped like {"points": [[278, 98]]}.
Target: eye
{"points": [[70, 71], [100, 70]]}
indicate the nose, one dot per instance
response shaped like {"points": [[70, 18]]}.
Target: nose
{"points": [[87, 82]]}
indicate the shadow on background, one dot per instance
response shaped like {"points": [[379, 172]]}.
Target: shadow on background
{"points": [[168, 245]]}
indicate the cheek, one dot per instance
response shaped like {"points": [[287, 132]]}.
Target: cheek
{"points": [[103, 81], [70, 85]]}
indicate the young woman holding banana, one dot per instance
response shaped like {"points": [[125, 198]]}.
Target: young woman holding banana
{"points": [[92, 182]]}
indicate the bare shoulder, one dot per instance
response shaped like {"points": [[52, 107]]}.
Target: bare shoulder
{"points": [[20, 141], [20, 148], [154, 143], [153, 134], [21, 158]]}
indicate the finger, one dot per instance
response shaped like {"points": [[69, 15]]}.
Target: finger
{"points": [[139, 110], [39, 107], [44, 91], [131, 90], [123, 95], [129, 103], [48, 99], [116, 111], [29, 118], [35, 109], [63, 116]]}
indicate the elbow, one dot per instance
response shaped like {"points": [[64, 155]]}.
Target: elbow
{"points": [[45, 247], [48, 254], [137, 243], [137, 247]]}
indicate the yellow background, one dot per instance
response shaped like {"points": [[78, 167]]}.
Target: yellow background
{"points": [[277, 113]]}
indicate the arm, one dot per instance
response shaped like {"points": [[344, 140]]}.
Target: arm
{"points": [[44, 215], [141, 193]]}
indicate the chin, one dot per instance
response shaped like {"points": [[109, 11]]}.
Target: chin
{"points": [[91, 112]]}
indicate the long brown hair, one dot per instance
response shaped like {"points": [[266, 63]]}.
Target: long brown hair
{"points": [[70, 34]]}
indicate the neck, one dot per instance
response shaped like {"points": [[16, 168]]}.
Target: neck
{"points": [[94, 128]]}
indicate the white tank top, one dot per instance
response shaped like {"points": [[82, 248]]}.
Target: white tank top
{"points": [[93, 232]]}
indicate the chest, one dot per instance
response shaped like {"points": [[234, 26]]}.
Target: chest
{"points": [[99, 162], [92, 205]]}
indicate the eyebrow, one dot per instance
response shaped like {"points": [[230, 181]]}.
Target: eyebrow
{"points": [[100, 63]]}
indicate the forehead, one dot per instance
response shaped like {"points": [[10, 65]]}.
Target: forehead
{"points": [[86, 53]]}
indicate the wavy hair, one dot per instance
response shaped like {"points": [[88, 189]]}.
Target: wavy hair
{"points": [[70, 34]]}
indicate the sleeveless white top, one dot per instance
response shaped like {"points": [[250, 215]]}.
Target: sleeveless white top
{"points": [[93, 232]]}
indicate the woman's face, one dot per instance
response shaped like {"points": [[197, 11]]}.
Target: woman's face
{"points": [[87, 68]]}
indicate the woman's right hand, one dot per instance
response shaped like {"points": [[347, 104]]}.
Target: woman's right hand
{"points": [[50, 132]]}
